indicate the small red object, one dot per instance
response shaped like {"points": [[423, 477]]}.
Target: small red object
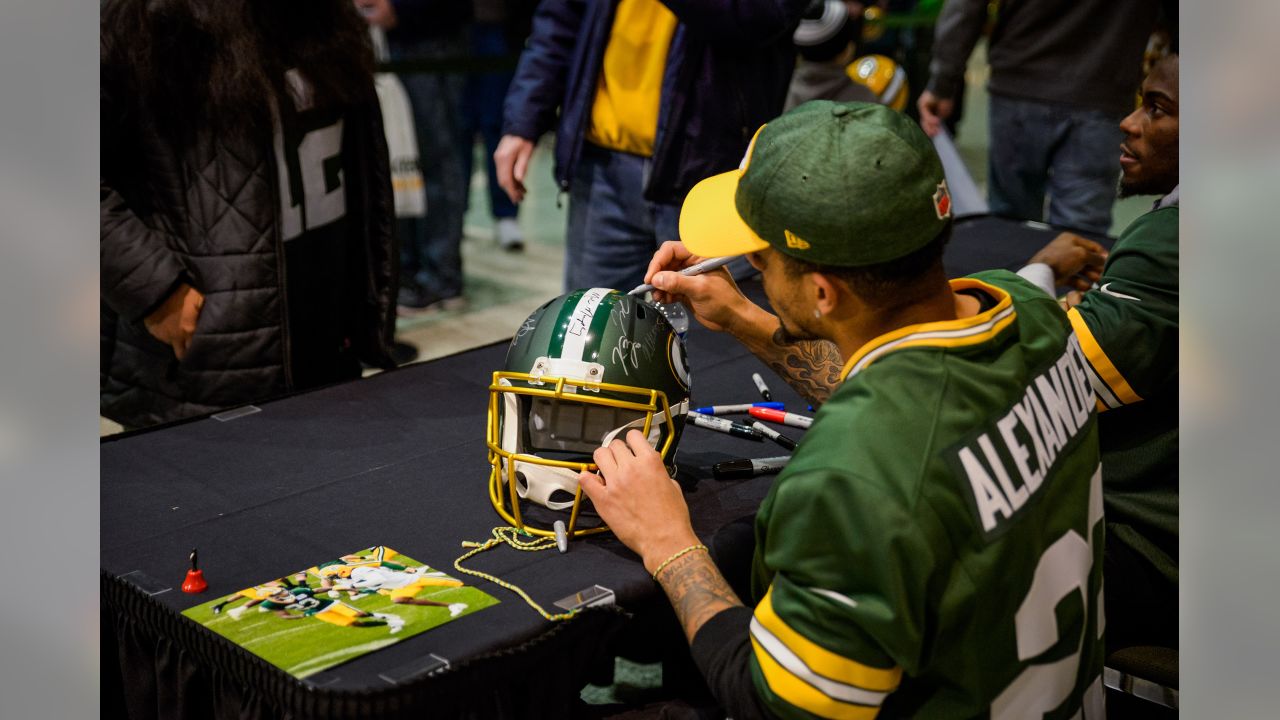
{"points": [[195, 578], [195, 582]]}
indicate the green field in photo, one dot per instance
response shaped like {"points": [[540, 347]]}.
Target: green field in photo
{"points": [[302, 644]]}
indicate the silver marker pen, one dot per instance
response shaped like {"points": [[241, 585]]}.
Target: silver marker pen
{"points": [[704, 266]]}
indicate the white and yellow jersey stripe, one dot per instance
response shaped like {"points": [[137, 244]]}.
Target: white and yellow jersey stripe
{"points": [[1110, 385], [802, 673], [945, 334]]}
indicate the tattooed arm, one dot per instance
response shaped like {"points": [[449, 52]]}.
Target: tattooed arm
{"points": [[811, 367], [646, 510], [718, 629], [697, 591]]}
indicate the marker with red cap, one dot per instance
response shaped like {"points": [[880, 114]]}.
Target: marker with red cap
{"points": [[778, 416]]}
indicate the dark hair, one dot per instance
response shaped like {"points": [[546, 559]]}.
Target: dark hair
{"points": [[214, 63], [885, 285]]}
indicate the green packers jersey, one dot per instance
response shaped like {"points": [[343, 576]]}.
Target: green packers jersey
{"points": [[934, 547], [304, 599], [1128, 329]]}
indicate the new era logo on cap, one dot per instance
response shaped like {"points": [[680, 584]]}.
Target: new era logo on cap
{"points": [[795, 242], [838, 184]]}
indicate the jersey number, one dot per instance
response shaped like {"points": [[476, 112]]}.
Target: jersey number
{"points": [[305, 603], [1063, 569], [320, 204]]}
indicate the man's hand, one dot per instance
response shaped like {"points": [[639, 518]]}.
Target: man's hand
{"points": [[174, 322], [1072, 299], [713, 297], [1076, 261], [379, 13], [511, 161], [646, 510], [641, 504], [933, 110]]}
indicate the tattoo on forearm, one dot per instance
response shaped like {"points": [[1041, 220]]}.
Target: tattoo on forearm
{"points": [[811, 367], [697, 591]]}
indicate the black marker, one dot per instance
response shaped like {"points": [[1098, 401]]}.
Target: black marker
{"points": [[748, 467], [774, 435], [726, 426], [764, 389]]}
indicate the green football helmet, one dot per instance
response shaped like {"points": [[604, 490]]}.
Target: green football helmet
{"points": [[584, 368]]}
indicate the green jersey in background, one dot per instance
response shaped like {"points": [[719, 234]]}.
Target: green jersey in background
{"points": [[1128, 329]]}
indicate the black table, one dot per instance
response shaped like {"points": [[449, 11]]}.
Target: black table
{"points": [[397, 459]]}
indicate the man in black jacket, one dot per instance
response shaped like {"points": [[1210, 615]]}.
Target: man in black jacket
{"points": [[246, 242]]}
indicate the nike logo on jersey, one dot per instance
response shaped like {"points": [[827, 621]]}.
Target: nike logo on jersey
{"points": [[1006, 464], [1106, 289]]}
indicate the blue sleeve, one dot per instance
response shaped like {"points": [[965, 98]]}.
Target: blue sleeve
{"points": [[538, 87], [743, 22]]}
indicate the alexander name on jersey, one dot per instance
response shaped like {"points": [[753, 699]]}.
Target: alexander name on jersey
{"points": [[1006, 463]]}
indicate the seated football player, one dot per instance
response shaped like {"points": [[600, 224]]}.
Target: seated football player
{"points": [[1128, 328], [934, 546]]}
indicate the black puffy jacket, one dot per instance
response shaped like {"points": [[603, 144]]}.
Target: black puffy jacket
{"points": [[207, 213]]}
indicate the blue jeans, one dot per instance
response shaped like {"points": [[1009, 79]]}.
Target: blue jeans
{"points": [[1072, 154], [430, 247], [613, 231], [482, 110]]}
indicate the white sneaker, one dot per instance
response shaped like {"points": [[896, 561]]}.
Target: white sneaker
{"points": [[236, 612], [456, 609], [509, 236]]}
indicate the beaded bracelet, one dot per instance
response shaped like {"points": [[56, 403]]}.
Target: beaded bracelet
{"points": [[677, 556]]}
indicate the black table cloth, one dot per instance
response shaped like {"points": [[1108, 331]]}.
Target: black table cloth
{"points": [[397, 459]]}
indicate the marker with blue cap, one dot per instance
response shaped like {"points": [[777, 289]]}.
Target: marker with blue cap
{"points": [[742, 408]]}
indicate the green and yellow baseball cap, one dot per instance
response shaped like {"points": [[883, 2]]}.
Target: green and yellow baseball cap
{"points": [[837, 184]]}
